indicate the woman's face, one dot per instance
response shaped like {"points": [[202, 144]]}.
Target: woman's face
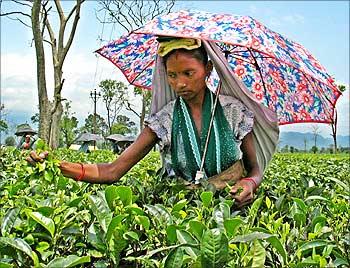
{"points": [[186, 75]]}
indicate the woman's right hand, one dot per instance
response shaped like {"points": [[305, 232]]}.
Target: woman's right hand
{"points": [[34, 158]]}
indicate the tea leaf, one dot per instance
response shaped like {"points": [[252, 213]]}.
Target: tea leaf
{"points": [[186, 238], [214, 248], [175, 258], [9, 220], [22, 246], [46, 222], [206, 198], [67, 262]]}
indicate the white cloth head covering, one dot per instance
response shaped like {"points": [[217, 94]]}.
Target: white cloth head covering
{"points": [[265, 130]]}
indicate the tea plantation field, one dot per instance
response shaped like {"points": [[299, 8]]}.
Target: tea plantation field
{"points": [[300, 217]]}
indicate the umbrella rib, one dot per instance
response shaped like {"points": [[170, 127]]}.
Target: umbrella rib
{"points": [[262, 79], [323, 96], [150, 63], [242, 59]]}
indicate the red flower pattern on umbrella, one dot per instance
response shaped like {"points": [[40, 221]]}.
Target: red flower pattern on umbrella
{"points": [[307, 99]]}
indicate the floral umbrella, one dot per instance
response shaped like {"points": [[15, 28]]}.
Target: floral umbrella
{"points": [[281, 73]]}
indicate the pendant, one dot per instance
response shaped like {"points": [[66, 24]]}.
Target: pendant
{"points": [[199, 177]]}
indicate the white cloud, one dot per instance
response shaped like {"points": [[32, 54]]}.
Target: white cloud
{"points": [[278, 21], [293, 19], [253, 9], [18, 83]]}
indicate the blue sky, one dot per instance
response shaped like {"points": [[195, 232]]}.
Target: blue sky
{"points": [[320, 26]]}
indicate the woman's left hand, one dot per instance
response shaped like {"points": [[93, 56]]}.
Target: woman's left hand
{"points": [[243, 192]]}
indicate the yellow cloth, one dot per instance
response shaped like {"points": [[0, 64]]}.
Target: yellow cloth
{"points": [[186, 43]]}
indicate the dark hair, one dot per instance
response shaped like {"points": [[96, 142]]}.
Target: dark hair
{"points": [[197, 53]]}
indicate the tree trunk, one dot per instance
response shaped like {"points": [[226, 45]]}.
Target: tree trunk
{"points": [[334, 131], [55, 126], [56, 110], [109, 121], [44, 104]]}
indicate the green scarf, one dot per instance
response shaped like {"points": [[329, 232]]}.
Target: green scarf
{"points": [[187, 146]]}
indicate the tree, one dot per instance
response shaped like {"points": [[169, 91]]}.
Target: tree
{"points": [[101, 126], [131, 15], [10, 141], [305, 144], [314, 149], [114, 96], [68, 126], [285, 149], [123, 126], [334, 123], [315, 132], [35, 119], [3, 124], [50, 112]]}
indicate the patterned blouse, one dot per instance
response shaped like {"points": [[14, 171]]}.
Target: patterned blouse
{"points": [[240, 119]]}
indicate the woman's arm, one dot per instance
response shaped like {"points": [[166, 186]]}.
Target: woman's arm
{"points": [[249, 159], [254, 174], [109, 172]]}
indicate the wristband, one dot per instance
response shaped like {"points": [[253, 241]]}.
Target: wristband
{"points": [[250, 179], [82, 174]]}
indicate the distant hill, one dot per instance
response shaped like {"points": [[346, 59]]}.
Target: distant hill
{"points": [[296, 139]]}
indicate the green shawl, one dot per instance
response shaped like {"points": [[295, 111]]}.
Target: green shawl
{"points": [[187, 145]]}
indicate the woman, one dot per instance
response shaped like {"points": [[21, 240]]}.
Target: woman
{"points": [[181, 127]]}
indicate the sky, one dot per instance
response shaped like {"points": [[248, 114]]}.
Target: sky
{"points": [[322, 27]]}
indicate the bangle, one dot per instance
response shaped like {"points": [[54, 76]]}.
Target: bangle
{"points": [[82, 174], [252, 180]]}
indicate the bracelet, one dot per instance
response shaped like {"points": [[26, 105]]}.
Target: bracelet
{"points": [[252, 180], [82, 174]]}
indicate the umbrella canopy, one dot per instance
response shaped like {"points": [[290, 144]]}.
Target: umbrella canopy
{"points": [[24, 129], [89, 137], [119, 137], [281, 73]]}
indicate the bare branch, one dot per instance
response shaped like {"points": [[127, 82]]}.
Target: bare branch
{"points": [[128, 107], [137, 18], [125, 16], [21, 3], [47, 41], [134, 13], [15, 12], [51, 32], [73, 30], [117, 16], [71, 13], [59, 10], [63, 23], [25, 24], [47, 25]]}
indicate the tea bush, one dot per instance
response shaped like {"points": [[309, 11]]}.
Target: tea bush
{"points": [[299, 217]]}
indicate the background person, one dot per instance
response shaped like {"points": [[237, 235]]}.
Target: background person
{"points": [[26, 142]]}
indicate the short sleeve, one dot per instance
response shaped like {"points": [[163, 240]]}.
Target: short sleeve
{"points": [[240, 118], [160, 123]]}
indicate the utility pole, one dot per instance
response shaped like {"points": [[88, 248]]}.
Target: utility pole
{"points": [[94, 95]]}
